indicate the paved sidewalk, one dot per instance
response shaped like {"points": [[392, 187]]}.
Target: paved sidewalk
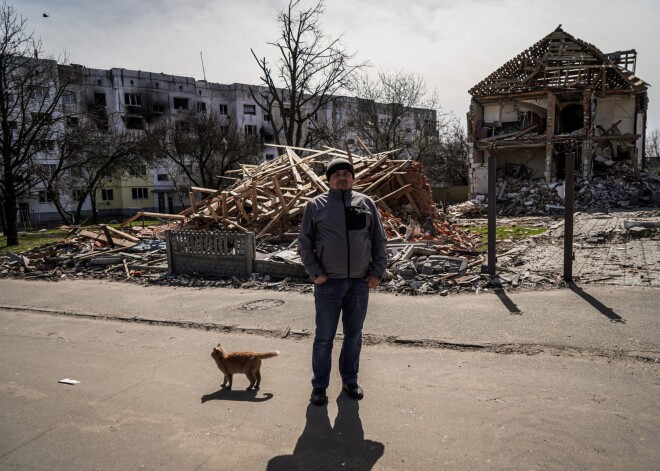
{"points": [[596, 319]]}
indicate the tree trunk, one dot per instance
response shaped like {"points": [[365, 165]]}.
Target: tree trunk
{"points": [[9, 207], [95, 211]]}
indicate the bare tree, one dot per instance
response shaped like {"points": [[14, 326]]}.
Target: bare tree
{"points": [[652, 143], [396, 111], [308, 73], [449, 160], [53, 171], [30, 92], [203, 147]]}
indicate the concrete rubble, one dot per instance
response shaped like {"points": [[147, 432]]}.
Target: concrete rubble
{"points": [[614, 186]]}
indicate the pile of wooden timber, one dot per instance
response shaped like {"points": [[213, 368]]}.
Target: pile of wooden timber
{"points": [[270, 198]]}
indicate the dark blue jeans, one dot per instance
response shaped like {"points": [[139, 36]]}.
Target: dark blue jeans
{"points": [[349, 296]]}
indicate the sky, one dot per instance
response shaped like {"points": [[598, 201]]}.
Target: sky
{"points": [[452, 45]]}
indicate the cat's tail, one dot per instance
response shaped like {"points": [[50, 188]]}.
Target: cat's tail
{"points": [[263, 355]]}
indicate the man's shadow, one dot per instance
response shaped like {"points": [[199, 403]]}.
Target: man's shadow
{"points": [[225, 394], [322, 447]]}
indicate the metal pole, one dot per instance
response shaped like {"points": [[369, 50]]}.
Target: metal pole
{"points": [[569, 187], [492, 208]]}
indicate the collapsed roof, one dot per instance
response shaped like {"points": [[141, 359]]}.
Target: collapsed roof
{"points": [[561, 61]]}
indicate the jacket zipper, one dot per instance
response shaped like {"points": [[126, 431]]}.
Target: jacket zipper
{"points": [[348, 241]]}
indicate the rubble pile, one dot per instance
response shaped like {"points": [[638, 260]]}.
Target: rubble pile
{"points": [[617, 188], [84, 253]]}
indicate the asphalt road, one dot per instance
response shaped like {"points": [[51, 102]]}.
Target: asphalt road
{"points": [[463, 382]]}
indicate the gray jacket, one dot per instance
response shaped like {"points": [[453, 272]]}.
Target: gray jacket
{"points": [[342, 236]]}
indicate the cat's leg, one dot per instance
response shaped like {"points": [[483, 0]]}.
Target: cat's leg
{"points": [[226, 380], [251, 378], [257, 375]]}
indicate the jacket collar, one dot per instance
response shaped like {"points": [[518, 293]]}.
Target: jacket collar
{"points": [[340, 193]]}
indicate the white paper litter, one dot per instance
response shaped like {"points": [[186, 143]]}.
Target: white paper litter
{"points": [[68, 381]]}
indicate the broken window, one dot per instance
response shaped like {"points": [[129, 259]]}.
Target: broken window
{"points": [[249, 109], [99, 99], [140, 193], [107, 194], [223, 109], [250, 129], [180, 103], [163, 177], [132, 99], [201, 107], [572, 118]]}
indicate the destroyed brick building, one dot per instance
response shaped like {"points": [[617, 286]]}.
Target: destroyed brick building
{"points": [[560, 94]]}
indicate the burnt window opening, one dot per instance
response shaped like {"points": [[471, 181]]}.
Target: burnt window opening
{"points": [[134, 122], [99, 100], [571, 118], [163, 177], [201, 107], [180, 103]]}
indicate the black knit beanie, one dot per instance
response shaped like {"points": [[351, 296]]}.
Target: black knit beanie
{"points": [[339, 164]]}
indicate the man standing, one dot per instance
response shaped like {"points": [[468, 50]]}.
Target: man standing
{"points": [[342, 245]]}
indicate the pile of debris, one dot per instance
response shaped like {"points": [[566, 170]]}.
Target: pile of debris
{"points": [[105, 254], [518, 194], [427, 252], [270, 198]]}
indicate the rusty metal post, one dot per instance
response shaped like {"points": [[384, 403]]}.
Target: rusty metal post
{"points": [[492, 209], [569, 189]]}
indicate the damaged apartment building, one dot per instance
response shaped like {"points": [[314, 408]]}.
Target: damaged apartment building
{"points": [[560, 95], [124, 99]]}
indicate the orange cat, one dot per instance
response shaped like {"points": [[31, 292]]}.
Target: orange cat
{"points": [[248, 363]]}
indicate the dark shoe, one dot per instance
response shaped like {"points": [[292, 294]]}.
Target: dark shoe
{"points": [[319, 397], [354, 390]]}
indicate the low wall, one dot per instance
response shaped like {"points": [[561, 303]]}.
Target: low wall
{"points": [[222, 254], [210, 253]]}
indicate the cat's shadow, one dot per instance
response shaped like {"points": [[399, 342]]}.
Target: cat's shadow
{"points": [[225, 394]]}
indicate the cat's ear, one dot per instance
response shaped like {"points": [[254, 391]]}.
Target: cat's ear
{"points": [[219, 346]]}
